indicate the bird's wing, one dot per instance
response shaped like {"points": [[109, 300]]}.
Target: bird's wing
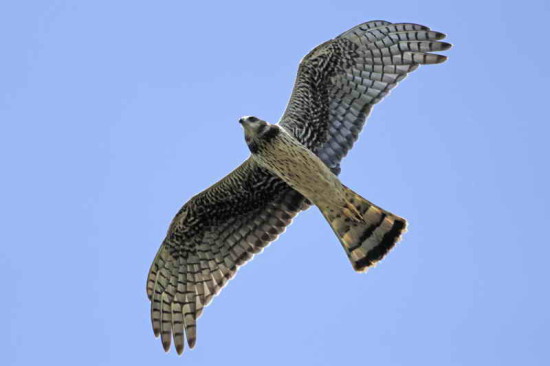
{"points": [[340, 81], [214, 233]]}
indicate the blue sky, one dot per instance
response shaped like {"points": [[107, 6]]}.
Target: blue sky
{"points": [[113, 114]]}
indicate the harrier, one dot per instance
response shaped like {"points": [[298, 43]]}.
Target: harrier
{"points": [[293, 164]]}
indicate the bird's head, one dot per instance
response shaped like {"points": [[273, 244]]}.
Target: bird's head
{"points": [[253, 127], [257, 132]]}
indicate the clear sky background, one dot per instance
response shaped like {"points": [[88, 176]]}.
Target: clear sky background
{"points": [[114, 113]]}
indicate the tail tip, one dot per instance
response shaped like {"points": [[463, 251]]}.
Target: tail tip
{"points": [[388, 242]]}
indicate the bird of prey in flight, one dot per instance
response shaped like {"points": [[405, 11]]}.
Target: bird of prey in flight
{"points": [[293, 164]]}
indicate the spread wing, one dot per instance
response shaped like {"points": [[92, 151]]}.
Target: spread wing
{"points": [[340, 81], [214, 233]]}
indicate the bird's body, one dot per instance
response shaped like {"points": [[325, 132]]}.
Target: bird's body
{"points": [[293, 164], [284, 156], [360, 226]]}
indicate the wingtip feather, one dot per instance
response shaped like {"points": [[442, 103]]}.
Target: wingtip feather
{"points": [[179, 344], [444, 46], [439, 35], [191, 341], [440, 59]]}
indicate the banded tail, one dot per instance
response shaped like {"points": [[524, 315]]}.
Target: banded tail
{"points": [[368, 240]]}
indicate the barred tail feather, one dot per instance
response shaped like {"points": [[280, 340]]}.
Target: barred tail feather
{"points": [[369, 240]]}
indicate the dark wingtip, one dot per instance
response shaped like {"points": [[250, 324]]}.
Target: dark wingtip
{"points": [[166, 343], [156, 331], [445, 46], [440, 59], [439, 35]]}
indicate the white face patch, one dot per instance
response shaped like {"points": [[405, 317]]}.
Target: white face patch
{"points": [[252, 126]]}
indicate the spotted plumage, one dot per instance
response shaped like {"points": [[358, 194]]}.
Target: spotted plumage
{"points": [[292, 165]]}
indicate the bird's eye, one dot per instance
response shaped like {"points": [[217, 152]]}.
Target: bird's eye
{"points": [[252, 119]]}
